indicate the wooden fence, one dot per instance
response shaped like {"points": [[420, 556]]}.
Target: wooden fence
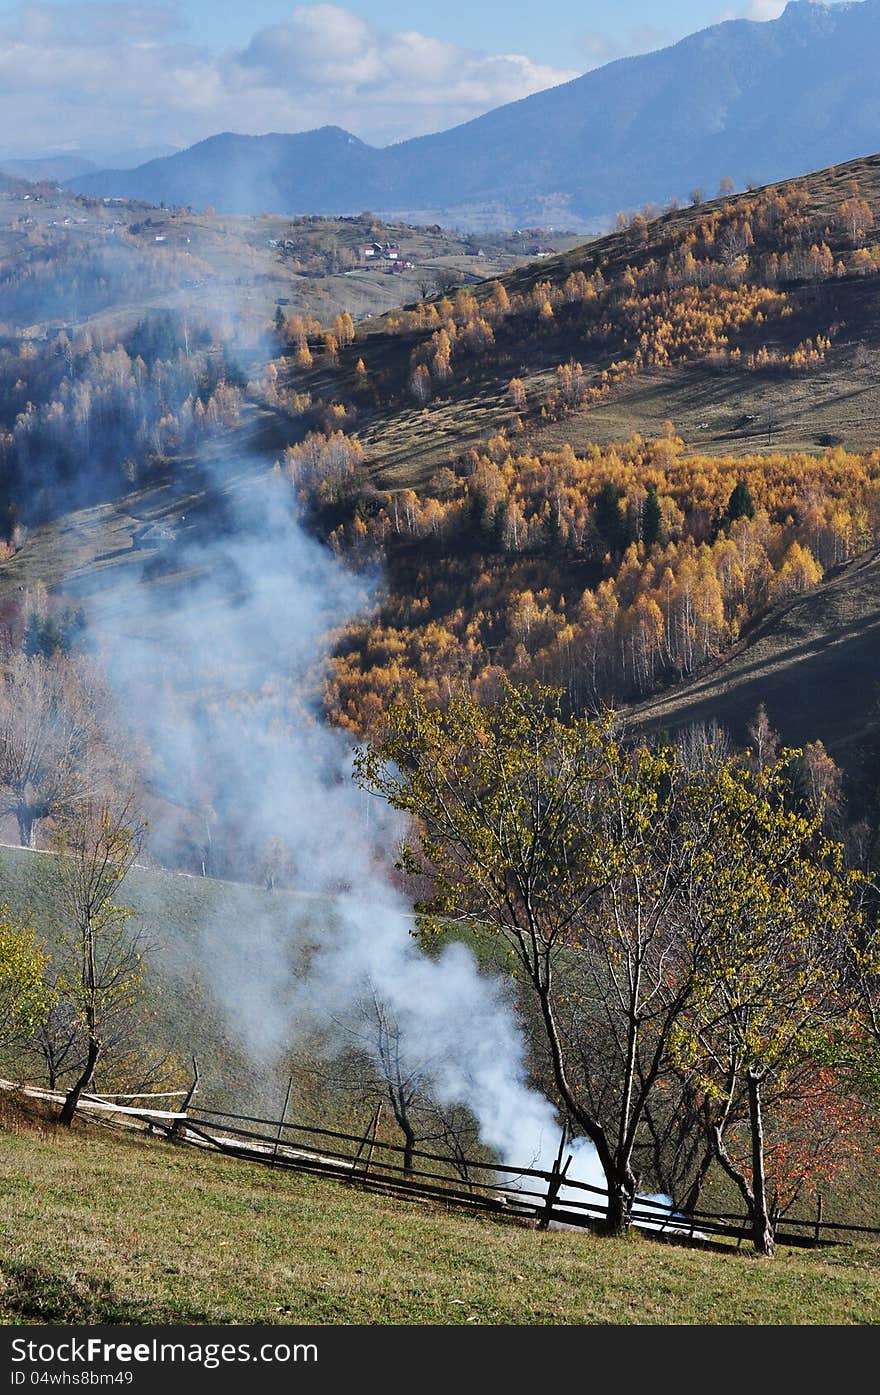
{"points": [[518, 1193], [525, 1194]]}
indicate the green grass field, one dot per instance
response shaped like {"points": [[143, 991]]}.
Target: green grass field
{"points": [[193, 996], [100, 1227]]}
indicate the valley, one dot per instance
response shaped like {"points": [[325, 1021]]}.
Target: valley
{"points": [[440, 686]]}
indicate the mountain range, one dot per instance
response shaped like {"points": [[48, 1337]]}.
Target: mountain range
{"points": [[64, 166], [751, 101]]}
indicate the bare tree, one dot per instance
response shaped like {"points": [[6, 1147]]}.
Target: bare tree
{"points": [[389, 1070], [765, 741], [447, 278], [401, 1080], [704, 745], [59, 1041], [60, 1044], [103, 975], [52, 755], [678, 1147]]}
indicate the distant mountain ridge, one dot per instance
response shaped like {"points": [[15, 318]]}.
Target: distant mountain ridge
{"points": [[64, 166], [246, 174], [48, 167], [754, 101]]}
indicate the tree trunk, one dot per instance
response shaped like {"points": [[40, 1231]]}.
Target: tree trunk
{"points": [[27, 831], [621, 1188], [762, 1226], [80, 1084], [620, 1205], [408, 1149]]}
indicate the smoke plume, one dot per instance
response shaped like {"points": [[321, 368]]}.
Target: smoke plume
{"points": [[215, 646]]}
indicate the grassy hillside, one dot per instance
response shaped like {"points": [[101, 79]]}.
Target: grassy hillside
{"points": [[104, 1228], [209, 949], [712, 410], [814, 663], [216, 957], [144, 258], [510, 436]]}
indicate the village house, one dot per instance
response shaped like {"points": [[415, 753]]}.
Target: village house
{"points": [[380, 251]]}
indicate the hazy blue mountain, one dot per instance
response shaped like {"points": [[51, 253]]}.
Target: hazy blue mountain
{"points": [[307, 173], [757, 102], [127, 159], [64, 166], [52, 167]]}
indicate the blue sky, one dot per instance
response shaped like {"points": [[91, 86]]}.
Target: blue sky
{"points": [[96, 76]]}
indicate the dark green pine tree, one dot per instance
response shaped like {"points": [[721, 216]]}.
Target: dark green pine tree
{"points": [[740, 504], [651, 518], [609, 518]]}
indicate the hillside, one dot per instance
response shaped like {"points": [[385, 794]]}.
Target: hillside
{"points": [[509, 442], [718, 401], [477, 523], [100, 1228], [202, 988], [814, 663], [247, 174], [730, 343], [48, 168], [751, 101], [76, 264]]}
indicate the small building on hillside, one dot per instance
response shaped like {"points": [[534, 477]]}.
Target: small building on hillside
{"points": [[381, 252]]}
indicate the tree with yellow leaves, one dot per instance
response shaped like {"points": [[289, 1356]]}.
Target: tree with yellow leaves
{"points": [[776, 913], [101, 976], [799, 572], [25, 997], [662, 916]]}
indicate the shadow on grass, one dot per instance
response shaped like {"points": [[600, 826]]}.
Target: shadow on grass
{"points": [[36, 1295]]}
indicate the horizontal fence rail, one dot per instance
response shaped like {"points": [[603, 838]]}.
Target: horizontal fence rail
{"points": [[516, 1193]]}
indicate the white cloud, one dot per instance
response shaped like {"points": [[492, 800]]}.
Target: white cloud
{"points": [[353, 71], [760, 10], [106, 75], [765, 9]]}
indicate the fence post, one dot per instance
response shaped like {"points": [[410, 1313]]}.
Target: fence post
{"points": [[375, 1129], [555, 1180], [368, 1143], [818, 1227], [178, 1123], [742, 1232], [283, 1118]]}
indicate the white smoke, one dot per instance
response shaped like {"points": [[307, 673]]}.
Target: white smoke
{"points": [[206, 647]]}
